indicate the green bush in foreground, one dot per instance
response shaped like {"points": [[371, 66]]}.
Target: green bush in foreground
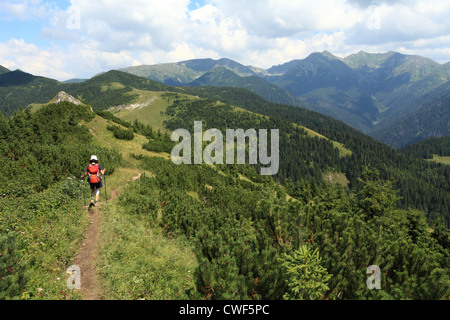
{"points": [[307, 278]]}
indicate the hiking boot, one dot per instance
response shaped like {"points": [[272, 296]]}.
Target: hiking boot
{"points": [[96, 204]]}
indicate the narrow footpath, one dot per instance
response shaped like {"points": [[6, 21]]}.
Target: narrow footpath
{"points": [[88, 255], [87, 258]]}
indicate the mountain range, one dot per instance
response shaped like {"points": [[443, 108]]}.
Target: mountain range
{"points": [[369, 91], [398, 99]]}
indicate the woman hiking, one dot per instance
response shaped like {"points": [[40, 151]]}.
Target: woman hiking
{"points": [[93, 171]]}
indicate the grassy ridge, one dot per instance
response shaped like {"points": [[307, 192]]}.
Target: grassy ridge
{"points": [[149, 107]]}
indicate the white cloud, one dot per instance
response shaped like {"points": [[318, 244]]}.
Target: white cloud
{"points": [[138, 25], [279, 19], [387, 23], [17, 54], [109, 34]]}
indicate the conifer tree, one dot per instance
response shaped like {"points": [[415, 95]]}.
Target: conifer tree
{"points": [[307, 277]]}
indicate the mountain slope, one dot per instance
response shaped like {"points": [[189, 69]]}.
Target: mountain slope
{"points": [[209, 72], [204, 65], [16, 78], [363, 59], [330, 86], [224, 77], [427, 148], [316, 71], [168, 73], [431, 119], [184, 72], [363, 90], [3, 70], [20, 89], [410, 173], [401, 80], [112, 88]]}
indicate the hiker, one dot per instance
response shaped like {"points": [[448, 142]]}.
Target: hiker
{"points": [[93, 171]]}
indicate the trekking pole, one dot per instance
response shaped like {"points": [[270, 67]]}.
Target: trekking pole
{"points": [[106, 196]]}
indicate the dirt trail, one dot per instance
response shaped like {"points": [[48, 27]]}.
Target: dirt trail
{"points": [[87, 257]]}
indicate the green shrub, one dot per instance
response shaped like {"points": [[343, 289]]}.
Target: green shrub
{"points": [[122, 134], [307, 278]]}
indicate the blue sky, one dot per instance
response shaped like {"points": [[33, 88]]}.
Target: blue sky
{"points": [[193, 5], [23, 23], [80, 38]]}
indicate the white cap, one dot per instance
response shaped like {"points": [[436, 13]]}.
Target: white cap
{"points": [[94, 158]]}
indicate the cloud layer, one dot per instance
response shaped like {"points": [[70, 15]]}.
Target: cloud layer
{"points": [[93, 36]]}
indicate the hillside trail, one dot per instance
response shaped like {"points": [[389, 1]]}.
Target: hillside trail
{"points": [[87, 257]]}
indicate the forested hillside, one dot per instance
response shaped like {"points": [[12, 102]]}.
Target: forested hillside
{"points": [[427, 148], [250, 237], [39, 149], [19, 89], [250, 241], [421, 184]]}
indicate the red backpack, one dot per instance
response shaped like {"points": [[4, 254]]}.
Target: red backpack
{"points": [[94, 174]]}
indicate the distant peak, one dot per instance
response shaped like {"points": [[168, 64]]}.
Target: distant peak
{"points": [[328, 54], [323, 54], [361, 53]]}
